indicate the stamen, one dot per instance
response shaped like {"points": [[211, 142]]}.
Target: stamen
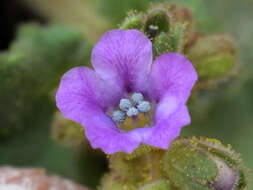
{"points": [[137, 98], [125, 104], [118, 116], [144, 106], [132, 112]]}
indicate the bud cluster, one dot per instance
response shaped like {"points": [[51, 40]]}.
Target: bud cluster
{"points": [[172, 29]]}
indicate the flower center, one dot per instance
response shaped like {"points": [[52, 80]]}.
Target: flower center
{"points": [[133, 112]]}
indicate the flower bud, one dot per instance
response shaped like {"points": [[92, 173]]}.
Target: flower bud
{"points": [[204, 164], [174, 41], [214, 57], [178, 37], [132, 21], [161, 44], [157, 21]]}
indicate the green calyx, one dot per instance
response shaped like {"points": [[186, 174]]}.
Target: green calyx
{"points": [[177, 37], [132, 21], [205, 164], [162, 44], [174, 42], [134, 171]]}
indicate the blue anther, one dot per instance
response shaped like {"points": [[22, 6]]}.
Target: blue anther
{"points": [[132, 112], [137, 98], [118, 116], [144, 106], [125, 104]]}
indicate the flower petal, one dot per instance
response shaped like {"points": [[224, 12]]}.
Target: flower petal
{"points": [[172, 74], [167, 129], [125, 55], [83, 97], [82, 91], [102, 133]]}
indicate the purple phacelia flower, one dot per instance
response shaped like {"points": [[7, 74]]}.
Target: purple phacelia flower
{"points": [[125, 89]]}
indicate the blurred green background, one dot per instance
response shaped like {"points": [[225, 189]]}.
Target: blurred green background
{"points": [[34, 56]]}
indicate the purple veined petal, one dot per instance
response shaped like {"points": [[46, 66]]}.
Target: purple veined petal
{"points": [[167, 129], [125, 55], [82, 91], [82, 97], [172, 74], [103, 133], [166, 106]]}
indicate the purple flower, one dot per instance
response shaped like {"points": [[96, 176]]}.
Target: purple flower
{"points": [[125, 86]]}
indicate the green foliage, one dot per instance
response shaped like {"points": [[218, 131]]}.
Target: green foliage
{"points": [[50, 50], [32, 67]]}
